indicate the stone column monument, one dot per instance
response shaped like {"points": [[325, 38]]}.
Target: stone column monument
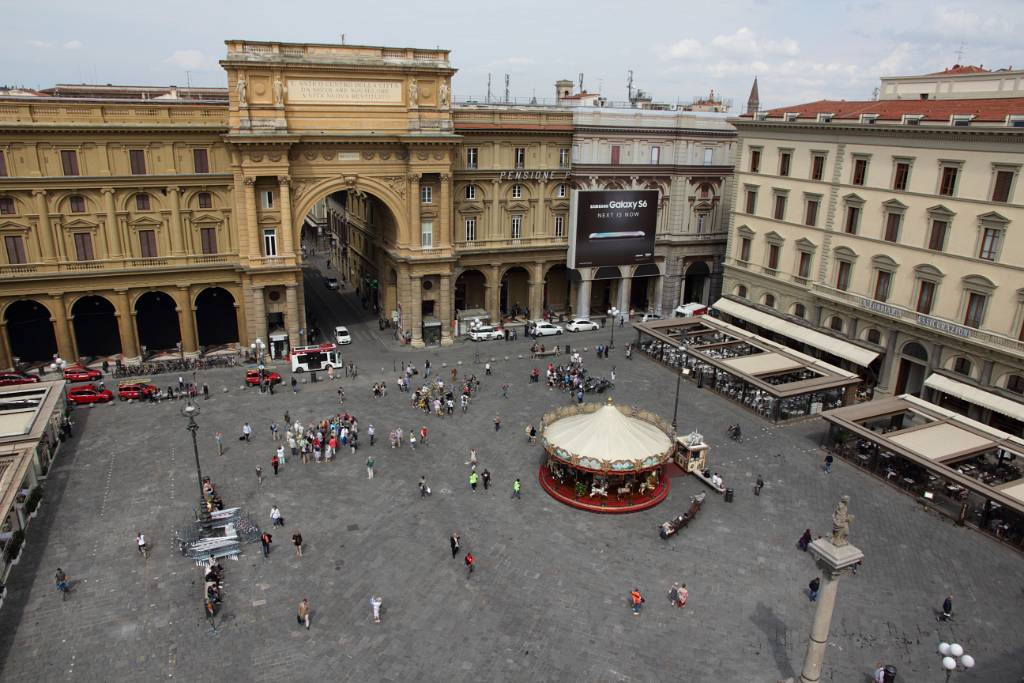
{"points": [[835, 557]]}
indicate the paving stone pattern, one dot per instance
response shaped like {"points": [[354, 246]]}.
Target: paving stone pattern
{"points": [[549, 598]]}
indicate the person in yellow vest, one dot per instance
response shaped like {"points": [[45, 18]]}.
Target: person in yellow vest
{"points": [[473, 478]]}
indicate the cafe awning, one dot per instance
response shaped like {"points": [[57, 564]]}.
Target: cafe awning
{"points": [[822, 342], [975, 395]]}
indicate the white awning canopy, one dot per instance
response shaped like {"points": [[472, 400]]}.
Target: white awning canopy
{"points": [[822, 342], [980, 397]]}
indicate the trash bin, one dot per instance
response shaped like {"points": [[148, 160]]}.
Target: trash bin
{"points": [[728, 495], [312, 377], [889, 674]]}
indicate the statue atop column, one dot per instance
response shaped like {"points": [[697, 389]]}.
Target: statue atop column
{"points": [[841, 521], [242, 89], [414, 93], [444, 96], [278, 91]]}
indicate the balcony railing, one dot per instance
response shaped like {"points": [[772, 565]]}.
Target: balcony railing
{"points": [[519, 242], [27, 270], [934, 324]]}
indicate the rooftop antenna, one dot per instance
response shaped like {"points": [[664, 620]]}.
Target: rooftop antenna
{"points": [[488, 88], [342, 38], [960, 53], [506, 89], [188, 82], [629, 86], [581, 82]]}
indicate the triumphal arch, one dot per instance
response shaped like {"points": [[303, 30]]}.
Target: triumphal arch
{"points": [[307, 121]]}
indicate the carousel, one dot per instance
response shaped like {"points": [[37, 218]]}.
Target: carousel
{"points": [[606, 458]]}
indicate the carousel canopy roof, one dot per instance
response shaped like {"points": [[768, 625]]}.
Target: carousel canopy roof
{"points": [[607, 436]]}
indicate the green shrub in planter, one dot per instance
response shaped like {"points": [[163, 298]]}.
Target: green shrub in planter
{"points": [[14, 545], [32, 502]]}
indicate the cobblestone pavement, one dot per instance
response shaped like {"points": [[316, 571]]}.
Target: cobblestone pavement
{"points": [[549, 598]]}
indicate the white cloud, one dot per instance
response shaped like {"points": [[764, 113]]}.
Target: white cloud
{"points": [[894, 63], [744, 40], [73, 45], [40, 43], [190, 59], [687, 47]]}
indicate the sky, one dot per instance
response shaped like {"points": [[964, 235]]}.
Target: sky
{"points": [[800, 51]]}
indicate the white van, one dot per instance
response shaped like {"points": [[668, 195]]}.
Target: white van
{"points": [[341, 335], [691, 309]]}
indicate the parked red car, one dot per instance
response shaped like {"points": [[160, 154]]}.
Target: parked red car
{"points": [[80, 374], [252, 377], [135, 390], [90, 394], [9, 378]]}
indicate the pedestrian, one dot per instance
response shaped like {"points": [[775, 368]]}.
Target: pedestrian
{"points": [[219, 438], [275, 462], [470, 564], [369, 466], [247, 432], [297, 542], [758, 485], [275, 516], [497, 423], [426, 369], [504, 390], [517, 487], [636, 601], [828, 463], [287, 419], [486, 476], [611, 374], [181, 383], [805, 540], [813, 587], [454, 542], [371, 433], [206, 391], [303, 615], [412, 439], [423, 435], [265, 540], [424, 489], [682, 595], [273, 432], [472, 457], [281, 454], [487, 368], [472, 480], [295, 386], [259, 474], [947, 609], [375, 603]]}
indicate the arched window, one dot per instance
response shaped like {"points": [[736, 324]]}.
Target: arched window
{"points": [[142, 201], [874, 336], [77, 204], [836, 323], [962, 366], [205, 200], [1015, 383], [799, 310], [470, 191], [741, 290], [769, 300]]}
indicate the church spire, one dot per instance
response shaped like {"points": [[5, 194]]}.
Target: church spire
{"points": [[753, 102]]}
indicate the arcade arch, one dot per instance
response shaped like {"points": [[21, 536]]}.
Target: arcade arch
{"points": [[216, 317], [95, 325], [156, 319], [30, 331]]}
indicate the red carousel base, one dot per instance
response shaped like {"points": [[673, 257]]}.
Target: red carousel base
{"points": [[612, 504]]}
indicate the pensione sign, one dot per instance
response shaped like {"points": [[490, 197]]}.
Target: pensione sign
{"points": [[612, 227]]}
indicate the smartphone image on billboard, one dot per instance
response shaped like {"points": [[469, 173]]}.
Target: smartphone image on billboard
{"points": [[633, 234]]}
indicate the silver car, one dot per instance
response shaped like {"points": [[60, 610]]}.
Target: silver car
{"points": [[582, 325]]}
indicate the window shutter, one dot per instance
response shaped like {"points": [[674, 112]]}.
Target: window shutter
{"points": [[3, 165], [137, 159], [202, 160]]}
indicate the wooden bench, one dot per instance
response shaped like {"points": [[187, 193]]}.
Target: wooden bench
{"points": [[544, 354]]}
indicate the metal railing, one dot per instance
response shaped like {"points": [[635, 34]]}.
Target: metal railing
{"points": [[127, 263]]}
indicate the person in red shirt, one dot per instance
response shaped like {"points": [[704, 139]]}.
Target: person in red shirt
{"points": [[470, 563], [424, 433], [636, 600], [275, 463]]}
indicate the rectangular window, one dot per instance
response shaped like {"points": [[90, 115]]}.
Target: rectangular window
{"points": [[804, 268], [270, 242], [882, 285], [655, 154], [925, 297], [201, 160], [947, 186], [426, 234], [15, 249], [901, 175], [575, 153], [852, 219], [937, 238], [811, 215], [843, 275], [702, 220], [560, 192], [780, 207], [426, 194], [137, 161], [472, 154], [470, 191], [69, 161], [142, 202], [77, 204], [817, 167], [773, 256], [559, 226], [989, 244], [147, 243], [83, 247], [860, 171], [616, 150], [6, 205], [208, 238], [267, 199], [1001, 190], [563, 158], [471, 230], [3, 165], [892, 227], [975, 313], [751, 201], [205, 200], [755, 161], [784, 159], [517, 192], [745, 249], [517, 227], [709, 156], [520, 157]]}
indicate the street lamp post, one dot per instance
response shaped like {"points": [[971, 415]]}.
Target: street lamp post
{"points": [[675, 411], [613, 313], [257, 350], [190, 411], [952, 655]]}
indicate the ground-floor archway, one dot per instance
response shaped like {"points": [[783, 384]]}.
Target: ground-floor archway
{"points": [[216, 317], [556, 288], [30, 331], [696, 283], [470, 290], [642, 287], [95, 324], [912, 369], [156, 318], [515, 291]]}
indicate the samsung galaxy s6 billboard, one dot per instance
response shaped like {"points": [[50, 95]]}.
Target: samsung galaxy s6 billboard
{"points": [[612, 227]]}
